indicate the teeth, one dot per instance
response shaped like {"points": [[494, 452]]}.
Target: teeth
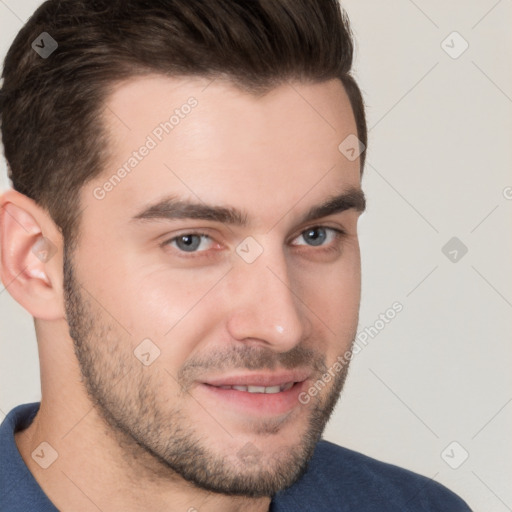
{"points": [[256, 389], [260, 389]]}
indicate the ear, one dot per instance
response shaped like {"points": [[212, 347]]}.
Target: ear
{"points": [[31, 256]]}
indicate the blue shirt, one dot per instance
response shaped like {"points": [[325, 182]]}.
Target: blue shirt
{"points": [[337, 479]]}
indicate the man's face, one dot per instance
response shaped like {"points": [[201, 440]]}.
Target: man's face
{"points": [[198, 329]]}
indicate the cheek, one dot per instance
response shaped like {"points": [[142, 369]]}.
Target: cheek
{"points": [[333, 293], [338, 283], [341, 301], [166, 305]]}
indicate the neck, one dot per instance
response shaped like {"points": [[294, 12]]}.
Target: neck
{"points": [[98, 469]]}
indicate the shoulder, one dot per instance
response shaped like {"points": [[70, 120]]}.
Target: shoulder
{"points": [[19, 491], [344, 480]]}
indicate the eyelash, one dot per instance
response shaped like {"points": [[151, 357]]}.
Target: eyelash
{"points": [[333, 246]]}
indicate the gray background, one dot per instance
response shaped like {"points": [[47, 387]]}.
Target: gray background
{"points": [[434, 385]]}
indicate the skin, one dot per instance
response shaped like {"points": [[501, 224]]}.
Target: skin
{"points": [[210, 313]]}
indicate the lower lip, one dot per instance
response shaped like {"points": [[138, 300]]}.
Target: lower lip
{"points": [[257, 403]]}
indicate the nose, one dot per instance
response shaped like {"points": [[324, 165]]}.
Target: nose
{"points": [[267, 310]]}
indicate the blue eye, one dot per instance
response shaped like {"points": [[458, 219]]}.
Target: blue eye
{"points": [[317, 236], [189, 242]]}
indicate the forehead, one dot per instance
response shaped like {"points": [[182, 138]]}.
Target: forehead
{"points": [[208, 140]]}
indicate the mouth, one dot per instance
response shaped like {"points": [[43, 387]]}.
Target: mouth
{"points": [[256, 394], [261, 389]]}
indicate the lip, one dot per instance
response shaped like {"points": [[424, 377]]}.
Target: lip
{"points": [[259, 379], [244, 403]]}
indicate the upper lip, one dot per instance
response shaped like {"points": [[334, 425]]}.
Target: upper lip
{"points": [[259, 379]]}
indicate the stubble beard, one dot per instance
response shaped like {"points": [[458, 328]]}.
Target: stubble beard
{"points": [[148, 430]]}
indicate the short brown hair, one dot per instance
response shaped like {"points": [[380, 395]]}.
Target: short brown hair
{"points": [[51, 108]]}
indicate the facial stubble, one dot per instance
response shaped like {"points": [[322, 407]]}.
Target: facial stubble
{"points": [[148, 429]]}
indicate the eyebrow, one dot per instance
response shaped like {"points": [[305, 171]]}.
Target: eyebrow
{"points": [[171, 208]]}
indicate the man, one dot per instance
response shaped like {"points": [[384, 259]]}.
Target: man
{"points": [[183, 229]]}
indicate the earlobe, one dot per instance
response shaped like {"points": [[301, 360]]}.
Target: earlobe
{"points": [[29, 259]]}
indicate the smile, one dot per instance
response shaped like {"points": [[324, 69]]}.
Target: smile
{"points": [[256, 394], [260, 389]]}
